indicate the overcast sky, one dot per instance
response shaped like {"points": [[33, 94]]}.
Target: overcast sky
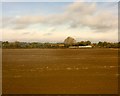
{"points": [[54, 21]]}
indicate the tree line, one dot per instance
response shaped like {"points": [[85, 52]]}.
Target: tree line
{"points": [[17, 44]]}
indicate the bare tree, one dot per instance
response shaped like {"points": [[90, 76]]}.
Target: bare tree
{"points": [[69, 41]]}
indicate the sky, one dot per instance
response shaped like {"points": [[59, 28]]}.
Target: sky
{"points": [[55, 21]]}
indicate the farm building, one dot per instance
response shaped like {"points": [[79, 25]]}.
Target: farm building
{"points": [[61, 45], [88, 46]]}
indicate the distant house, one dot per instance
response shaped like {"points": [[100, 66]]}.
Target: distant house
{"points": [[57, 45], [61, 45], [77, 47], [73, 47], [53, 45]]}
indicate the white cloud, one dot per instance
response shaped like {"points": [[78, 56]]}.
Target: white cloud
{"points": [[76, 16]]}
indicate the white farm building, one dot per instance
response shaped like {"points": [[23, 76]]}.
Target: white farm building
{"points": [[74, 47], [88, 46]]}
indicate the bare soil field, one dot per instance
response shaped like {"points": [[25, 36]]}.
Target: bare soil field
{"points": [[60, 71]]}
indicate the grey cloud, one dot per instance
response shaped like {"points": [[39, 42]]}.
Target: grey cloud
{"points": [[47, 34], [25, 33], [20, 26]]}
